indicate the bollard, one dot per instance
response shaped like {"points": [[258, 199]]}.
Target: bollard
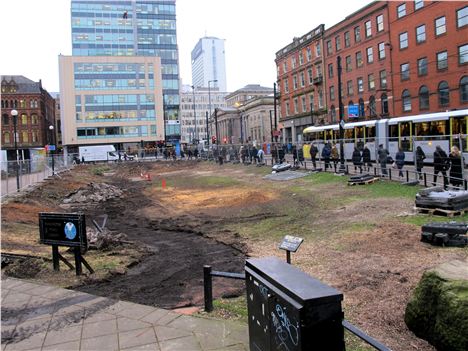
{"points": [[407, 175], [390, 173], [465, 184], [208, 288], [425, 179]]}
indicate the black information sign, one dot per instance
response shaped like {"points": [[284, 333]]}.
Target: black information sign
{"points": [[291, 243], [63, 229]]}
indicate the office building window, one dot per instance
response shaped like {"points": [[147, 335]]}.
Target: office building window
{"points": [[383, 79], [6, 137], [309, 54], [338, 43], [370, 55], [462, 17], [444, 93], [404, 40], [293, 62], [347, 39], [357, 34], [463, 54], [285, 67], [440, 27], [302, 79], [329, 47], [330, 70], [360, 85], [442, 60], [320, 98], [380, 24], [286, 86], [296, 105], [24, 119], [349, 86], [318, 50], [332, 93], [464, 89], [422, 66], [311, 102], [418, 4], [381, 51], [406, 100], [311, 77], [404, 71], [401, 10], [304, 105], [288, 111], [384, 104], [349, 64], [368, 26], [423, 98], [295, 82], [370, 82], [359, 61], [372, 109], [421, 34], [25, 136]]}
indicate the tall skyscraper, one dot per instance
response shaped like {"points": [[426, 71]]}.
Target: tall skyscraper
{"points": [[209, 63], [130, 66]]}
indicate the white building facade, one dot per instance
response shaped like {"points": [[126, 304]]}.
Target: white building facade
{"points": [[194, 116], [209, 63]]}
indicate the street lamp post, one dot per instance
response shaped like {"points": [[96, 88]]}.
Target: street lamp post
{"points": [[51, 128], [209, 95], [194, 115], [14, 114], [341, 111]]}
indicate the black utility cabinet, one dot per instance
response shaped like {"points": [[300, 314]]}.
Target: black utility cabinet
{"points": [[290, 310]]}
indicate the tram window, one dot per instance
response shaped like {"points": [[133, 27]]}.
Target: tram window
{"points": [[459, 126], [370, 132], [336, 134], [422, 129], [349, 134], [329, 134], [438, 128], [405, 129], [321, 135], [360, 132], [393, 131]]}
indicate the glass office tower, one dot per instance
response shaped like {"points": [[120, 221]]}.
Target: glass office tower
{"points": [[129, 28]]}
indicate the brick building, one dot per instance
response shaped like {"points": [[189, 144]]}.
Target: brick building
{"points": [[36, 112], [430, 56], [362, 41], [301, 85]]}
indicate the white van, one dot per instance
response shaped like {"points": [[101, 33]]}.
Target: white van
{"points": [[98, 153]]}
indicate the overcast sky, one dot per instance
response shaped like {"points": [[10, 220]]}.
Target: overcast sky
{"points": [[34, 32]]}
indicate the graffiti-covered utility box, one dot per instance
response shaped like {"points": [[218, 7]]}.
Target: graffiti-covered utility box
{"points": [[290, 310]]}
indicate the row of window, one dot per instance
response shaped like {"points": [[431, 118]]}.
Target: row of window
{"points": [[302, 78], [371, 85], [308, 57], [116, 116], [443, 94], [379, 25], [440, 27], [441, 63], [24, 137], [371, 107], [303, 104], [120, 84], [114, 132], [23, 119], [22, 103], [161, 8]]}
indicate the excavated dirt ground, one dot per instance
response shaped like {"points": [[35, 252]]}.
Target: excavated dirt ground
{"points": [[208, 214]]}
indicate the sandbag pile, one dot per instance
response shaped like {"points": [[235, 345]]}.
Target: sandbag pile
{"points": [[438, 198], [360, 179]]}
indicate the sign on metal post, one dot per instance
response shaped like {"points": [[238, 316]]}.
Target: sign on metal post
{"points": [[64, 229], [353, 111], [290, 244]]}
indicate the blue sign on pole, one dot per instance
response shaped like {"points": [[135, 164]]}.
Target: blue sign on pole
{"points": [[353, 111], [51, 147]]}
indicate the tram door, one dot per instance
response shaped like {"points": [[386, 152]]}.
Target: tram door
{"points": [[459, 132]]}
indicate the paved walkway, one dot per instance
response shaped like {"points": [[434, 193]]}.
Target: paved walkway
{"points": [[42, 317]]}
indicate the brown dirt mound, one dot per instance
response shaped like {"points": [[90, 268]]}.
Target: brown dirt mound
{"points": [[16, 212]]}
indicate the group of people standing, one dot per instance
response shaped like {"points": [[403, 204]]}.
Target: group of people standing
{"points": [[361, 159]]}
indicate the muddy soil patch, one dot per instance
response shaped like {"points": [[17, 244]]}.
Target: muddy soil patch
{"points": [[172, 275]]}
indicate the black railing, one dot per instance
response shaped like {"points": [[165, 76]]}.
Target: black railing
{"points": [[208, 275]]}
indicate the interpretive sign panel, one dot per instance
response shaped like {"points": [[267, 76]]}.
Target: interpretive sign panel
{"points": [[63, 229], [291, 243]]}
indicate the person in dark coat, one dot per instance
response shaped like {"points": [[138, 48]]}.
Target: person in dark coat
{"points": [[294, 155], [456, 175], [441, 164], [366, 158], [313, 154], [420, 157], [356, 158], [300, 156], [400, 161], [383, 157], [326, 153]]}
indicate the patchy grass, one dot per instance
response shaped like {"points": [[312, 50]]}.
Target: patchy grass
{"points": [[233, 309], [325, 178], [100, 170], [422, 219]]}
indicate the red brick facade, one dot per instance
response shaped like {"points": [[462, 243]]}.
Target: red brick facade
{"points": [[430, 55], [362, 41], [36, 112], [300, 83]]}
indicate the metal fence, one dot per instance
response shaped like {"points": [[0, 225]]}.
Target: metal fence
{"points": [[17, 175]]}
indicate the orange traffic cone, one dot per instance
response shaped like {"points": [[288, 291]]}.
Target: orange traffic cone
{"points": [[163, 183], [148, 177]]}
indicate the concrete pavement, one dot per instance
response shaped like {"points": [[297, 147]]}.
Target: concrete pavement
{"points": [[42, 317]]}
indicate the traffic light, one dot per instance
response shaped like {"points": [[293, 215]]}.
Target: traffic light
{"points": [[213, 139]]}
